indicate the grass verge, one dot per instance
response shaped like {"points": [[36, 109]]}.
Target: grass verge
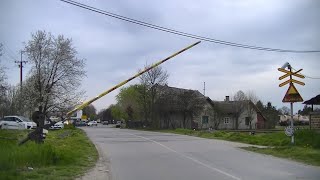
{"points": [[66, 154], [305, 155], [306, 148]]}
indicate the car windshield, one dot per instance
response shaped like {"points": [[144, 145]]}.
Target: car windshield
{"points": [[24, 119]]}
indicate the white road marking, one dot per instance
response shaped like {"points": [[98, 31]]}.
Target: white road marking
{"points": [[191, 158]]}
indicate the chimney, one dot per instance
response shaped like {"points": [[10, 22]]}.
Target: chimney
{"points": [[227, 99]]}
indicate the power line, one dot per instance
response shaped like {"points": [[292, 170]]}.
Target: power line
{"points": [[10, 52], [180, 33], [306, 75]]}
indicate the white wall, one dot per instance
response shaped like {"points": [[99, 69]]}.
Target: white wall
{"points": [[242, 118]]}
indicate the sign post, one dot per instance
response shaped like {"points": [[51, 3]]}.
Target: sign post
{"points": [[292, 95]]}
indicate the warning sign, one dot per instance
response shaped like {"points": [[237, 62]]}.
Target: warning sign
{"points": [[292, 95]]}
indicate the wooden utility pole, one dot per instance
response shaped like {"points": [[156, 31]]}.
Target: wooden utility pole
{"points": [[20, 65]]}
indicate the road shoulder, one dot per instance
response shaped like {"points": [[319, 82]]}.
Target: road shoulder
{"points": [[101, 170]]}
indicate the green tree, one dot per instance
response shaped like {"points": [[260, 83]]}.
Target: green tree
{"points": [[129, 100], [117, 113], [105, 115], [90, 111], [305, 111], [260, 106], [271, 114]]}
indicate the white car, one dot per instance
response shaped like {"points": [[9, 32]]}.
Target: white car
{"points": [[58, 125], [92, 123], [17, 122]]}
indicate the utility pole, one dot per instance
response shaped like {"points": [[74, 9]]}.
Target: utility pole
{"points": [[291, 106], [20, 65]]}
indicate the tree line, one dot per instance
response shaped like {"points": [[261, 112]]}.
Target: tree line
{"points": [[145, 102]]}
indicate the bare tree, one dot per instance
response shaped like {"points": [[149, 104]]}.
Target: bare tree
{"points": [[56, 71], [2, 73], [216, 113], [149, 92], [3, 85], [251, 100], [284, 110], [251, 95], [238, 106], [190, 104], [166, 106]]}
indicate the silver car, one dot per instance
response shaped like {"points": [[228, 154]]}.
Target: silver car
{"points": [[17, 122]]}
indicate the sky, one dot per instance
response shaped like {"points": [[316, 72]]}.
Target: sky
{"points": [[115, 50]]}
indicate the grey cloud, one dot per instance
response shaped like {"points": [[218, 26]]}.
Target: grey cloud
{"points": [[116, 50]]}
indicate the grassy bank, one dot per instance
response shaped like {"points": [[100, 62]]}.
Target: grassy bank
{"points": [[65, 154], [301, 154], [306, 148]]}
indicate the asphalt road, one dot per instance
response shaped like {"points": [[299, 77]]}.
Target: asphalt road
{"points": [[142, 155]]}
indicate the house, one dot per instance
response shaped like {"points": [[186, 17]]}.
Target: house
{"points": [[185, 108], [231, 115], [177, 107]]}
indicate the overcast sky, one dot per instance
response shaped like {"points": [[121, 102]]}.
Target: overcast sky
{"points": [[115, 50]]}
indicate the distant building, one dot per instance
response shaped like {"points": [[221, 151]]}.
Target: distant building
{"points": [[296, 117], [214, 114], [232, 115]]}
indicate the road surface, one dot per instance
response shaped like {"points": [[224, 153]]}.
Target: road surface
{"points": [[141, 155]]}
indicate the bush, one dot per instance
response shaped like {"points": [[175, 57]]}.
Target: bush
{"points": [[307, 138], [69, 126]]}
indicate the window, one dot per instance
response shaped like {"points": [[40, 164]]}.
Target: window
{"points": [[9, 119], [247, 121], [226, 120], [17, 120], [205, 119]]}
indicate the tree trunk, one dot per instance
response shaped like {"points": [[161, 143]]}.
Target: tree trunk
{"points": [[184, 121], [236, 124]]}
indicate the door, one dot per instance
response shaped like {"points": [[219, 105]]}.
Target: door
{"points": [[19, 123], [10, 123]]}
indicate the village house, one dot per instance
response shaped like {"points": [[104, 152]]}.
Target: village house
{"points": [[231, 115], [185, 108]]}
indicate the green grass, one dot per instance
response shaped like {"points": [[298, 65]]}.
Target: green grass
{"points": [[306, 148], [301, 154], [65, 154]]}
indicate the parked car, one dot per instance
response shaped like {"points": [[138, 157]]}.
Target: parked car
{"points": [[17, 122], [81, 123], [105, 122], [58, 125], [92, 123], [118, 125]]}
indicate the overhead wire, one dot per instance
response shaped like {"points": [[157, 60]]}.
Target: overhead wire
{"points": [[306, 75], [9, 52], [180, 33]]}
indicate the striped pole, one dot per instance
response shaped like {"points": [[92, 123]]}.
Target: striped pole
{"points": [[128, 80]]}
